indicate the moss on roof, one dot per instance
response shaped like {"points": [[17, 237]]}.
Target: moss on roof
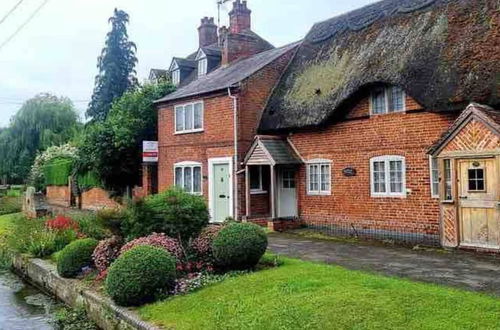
{"points": [[444, 53]]}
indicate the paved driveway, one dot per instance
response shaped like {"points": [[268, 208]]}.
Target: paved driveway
{"points": [[458, 269]]}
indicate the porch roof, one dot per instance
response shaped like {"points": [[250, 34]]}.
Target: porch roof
{"points": [[485, 114], [269, 150]]}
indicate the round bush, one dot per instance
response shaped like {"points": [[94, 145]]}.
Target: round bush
{"points": [[139, 275], [76, 256], [239, 246]]}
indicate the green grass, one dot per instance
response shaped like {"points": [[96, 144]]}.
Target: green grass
{"points": [[7, 221], [304, 295]]}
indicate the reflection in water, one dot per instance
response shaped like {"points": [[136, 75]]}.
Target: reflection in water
{"points": [[22, 306]]}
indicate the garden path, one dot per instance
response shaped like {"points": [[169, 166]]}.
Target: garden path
{"points": [[466, 270]]}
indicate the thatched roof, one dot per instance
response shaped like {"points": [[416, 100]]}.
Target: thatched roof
{"points": [[444, 53]]}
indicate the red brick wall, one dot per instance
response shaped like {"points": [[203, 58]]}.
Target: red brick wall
{"points": [[58, 195], [352, 143], [217, 139], [97, 199]]}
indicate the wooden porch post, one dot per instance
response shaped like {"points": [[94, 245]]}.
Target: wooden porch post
{"points": [[273, 192], [247, 191]]}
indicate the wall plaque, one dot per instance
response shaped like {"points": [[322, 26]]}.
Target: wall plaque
{"points": [[349, 171]]}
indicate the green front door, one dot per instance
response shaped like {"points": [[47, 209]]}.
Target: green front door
{"points": [[222, 192]]}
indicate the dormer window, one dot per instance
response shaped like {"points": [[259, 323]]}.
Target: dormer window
{"points": [[176, 77], [202, 67], [387, 100]]}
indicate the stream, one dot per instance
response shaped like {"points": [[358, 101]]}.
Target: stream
{"points": [[23, 306]]}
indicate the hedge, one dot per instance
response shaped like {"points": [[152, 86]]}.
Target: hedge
{"points": [[57, 172]]}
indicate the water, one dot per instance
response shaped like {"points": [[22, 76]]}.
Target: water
{"points": [[23, 307]]}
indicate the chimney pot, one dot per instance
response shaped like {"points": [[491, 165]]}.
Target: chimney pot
{"points": [[207, 32], [240, 17]]}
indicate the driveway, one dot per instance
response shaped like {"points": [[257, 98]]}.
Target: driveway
{"points": [[458, 269]]}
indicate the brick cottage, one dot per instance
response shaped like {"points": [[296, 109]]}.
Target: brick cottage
{"points": [[362, 128]]}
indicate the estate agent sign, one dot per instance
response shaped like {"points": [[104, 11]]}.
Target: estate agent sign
{"points": [[150, 151]]}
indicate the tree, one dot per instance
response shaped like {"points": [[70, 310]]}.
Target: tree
{"points": [[113, 148], [116, 66], [42, 121]]}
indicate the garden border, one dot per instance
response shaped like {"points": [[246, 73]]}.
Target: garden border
{"points": [[101, 310]]}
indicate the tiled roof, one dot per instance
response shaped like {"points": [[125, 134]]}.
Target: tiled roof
{"points": [[228, 76]]}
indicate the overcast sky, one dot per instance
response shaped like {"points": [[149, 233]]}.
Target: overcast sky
{"points": [[56, 52]]}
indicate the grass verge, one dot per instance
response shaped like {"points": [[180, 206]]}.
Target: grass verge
{"points": [[304, 295]]}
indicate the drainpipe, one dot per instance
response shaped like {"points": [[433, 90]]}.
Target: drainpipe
{"points": [[235, 166]]}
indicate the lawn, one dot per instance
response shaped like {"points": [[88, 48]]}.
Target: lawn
{"points": [[6, 221], [304, 295]]}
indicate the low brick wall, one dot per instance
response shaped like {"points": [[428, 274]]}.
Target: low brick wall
{"points": [[97, 199], [100, 309], [58, 195]]}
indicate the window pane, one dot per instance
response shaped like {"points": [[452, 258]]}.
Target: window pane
{"points": [[197, 179], [448, 184], [178, 177], [179, 119], [396, 99], [379, 177], [476, 179], [255, 178], [198, 116], [187, 179], [378, 101], [325, 178], [313, 178], [435, 176], [188, 117], [396, 176]]}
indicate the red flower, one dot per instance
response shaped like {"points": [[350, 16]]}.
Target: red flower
{"points": [[61, 223]]}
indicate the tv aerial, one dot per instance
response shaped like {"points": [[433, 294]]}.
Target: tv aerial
{"points": [[220, 3]]}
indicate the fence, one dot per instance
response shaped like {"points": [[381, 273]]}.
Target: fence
{"points": [[366, 232]]}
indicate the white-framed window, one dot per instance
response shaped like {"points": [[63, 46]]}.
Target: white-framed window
{"points": [[176, 77], [319, 178], [256, 178], [385, 100], [448, 183], [189, 118], [388, 176], [188, 177], [202, 66], [434, 172]]}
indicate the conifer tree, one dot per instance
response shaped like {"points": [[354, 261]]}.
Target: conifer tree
{"points": [[116, 66]]}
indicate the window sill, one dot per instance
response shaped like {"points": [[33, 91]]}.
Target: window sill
{"points": [[319, 193], [400, 196], [189, 132], [258, 192], [448, 202]]}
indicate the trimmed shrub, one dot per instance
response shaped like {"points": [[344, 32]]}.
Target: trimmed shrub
{"points": [[139, 275], [239, 246], [57, 171], [106, 252], [174, 212], [161, 241], [74, 257], [202, 245]]}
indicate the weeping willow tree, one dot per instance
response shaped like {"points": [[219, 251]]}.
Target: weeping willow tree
{"points": [[42, 121]]}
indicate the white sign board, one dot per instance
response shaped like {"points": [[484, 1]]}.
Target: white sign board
{"points": [[150, 151]]}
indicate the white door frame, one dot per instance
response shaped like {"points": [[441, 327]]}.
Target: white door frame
{"points": [[211, 200]]}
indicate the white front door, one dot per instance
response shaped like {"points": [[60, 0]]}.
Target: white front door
{"points": [[287, 194]]}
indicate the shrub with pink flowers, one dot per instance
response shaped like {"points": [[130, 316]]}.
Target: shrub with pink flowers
{"points": [[105, 253], [202, 245], [157, 240]]}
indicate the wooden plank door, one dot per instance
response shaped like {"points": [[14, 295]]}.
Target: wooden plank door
{"points": [[479, 188]]}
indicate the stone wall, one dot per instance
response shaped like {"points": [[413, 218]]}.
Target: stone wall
{"points": [[100, 309]]}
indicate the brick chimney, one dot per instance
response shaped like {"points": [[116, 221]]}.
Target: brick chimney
{"points": [[207, 32], [240, 17]]}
